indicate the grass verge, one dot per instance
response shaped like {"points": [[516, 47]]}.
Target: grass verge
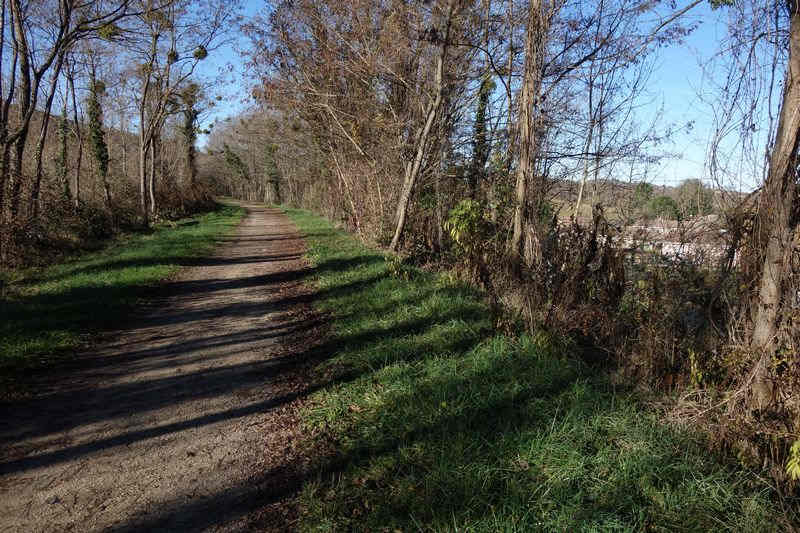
{"points": [[51, 311], [442, 425]]}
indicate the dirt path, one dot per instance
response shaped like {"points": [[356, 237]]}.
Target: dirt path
{"points": [[185, 421]]}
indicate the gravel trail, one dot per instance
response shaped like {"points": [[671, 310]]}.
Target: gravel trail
{"points": [[184, 419]]}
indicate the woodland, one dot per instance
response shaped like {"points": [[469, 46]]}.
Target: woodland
{"points": [[502, 142], [505, 140], [99, 119]]}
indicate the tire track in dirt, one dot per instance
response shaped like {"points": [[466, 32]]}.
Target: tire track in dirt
{"points": [[186, 419]]}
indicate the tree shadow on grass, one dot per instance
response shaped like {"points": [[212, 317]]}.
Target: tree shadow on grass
{"points": [[429, 459], [429, 329], [440, 426], [515, 442], [70, 405], [79, 406], [74, 310]]}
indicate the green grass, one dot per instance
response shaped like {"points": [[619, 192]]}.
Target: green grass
{"points": [[442, 425], [54, 310]]}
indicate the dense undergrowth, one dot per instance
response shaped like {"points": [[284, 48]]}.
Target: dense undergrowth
{"points": [[46, 313], [64, 230], [441, 424]]}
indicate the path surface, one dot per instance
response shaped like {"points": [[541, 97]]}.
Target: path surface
{"points": [[185, 420]]}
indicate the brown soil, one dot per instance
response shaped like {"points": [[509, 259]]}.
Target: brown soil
{"points": [[187, 419]]}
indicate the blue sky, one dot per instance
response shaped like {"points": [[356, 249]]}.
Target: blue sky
{"points": [[228, 64], [674, 85]]}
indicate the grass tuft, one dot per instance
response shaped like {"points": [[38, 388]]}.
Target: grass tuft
{"points": [[442, 425], [49, 312]]}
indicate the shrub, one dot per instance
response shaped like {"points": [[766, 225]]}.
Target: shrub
{"points": [[665, 207]]}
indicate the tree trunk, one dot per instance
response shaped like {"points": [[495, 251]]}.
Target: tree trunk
{"points": [[78, 136], [509, 85], [776, 222], [17, 172], [143, 149], [23, 102], [585, 175], [106, 191], [414, 166], [123, 129], [481, 144], [154, 149], [4, 173], [275, 185], [4, 120], [591, 116], [190, 155], [528, 142], [439, 215], [33, 206], [106, 183]]}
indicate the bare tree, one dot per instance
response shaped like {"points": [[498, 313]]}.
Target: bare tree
{"points": [[55, 27], [168, 45], [775, 234], [441, 37], [536, 39]]}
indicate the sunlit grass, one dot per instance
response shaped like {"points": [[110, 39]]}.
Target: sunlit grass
{"points": [[443, 425], [52, 311]]}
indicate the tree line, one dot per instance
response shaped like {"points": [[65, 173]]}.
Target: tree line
{"points": [[495, 134], [100, 110]]}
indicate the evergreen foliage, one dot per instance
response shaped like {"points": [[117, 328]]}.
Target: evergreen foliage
{"points": [[96, 133], [235, 162], [61, 157]]}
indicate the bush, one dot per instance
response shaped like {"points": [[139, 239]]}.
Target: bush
{"points": [[93, 222], [666, 334], [467, 225], [665, 207]]}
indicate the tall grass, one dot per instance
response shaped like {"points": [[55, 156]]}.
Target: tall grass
{"points": [[440, 424], [49, 312]]}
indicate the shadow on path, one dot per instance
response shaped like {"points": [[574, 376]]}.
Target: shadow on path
{"points": [[191, 405]]}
